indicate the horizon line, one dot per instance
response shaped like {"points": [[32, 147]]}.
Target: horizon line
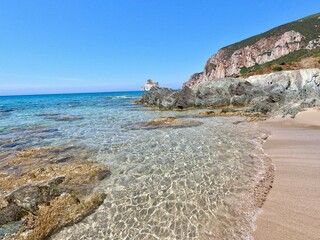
{"points": [[66, 93]]}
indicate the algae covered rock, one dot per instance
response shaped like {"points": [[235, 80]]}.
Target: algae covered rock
{"points": [[62, 211], [35, 181], [164, 122]]}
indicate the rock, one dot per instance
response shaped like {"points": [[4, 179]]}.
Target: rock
{"points": [[10, 212], [29, 184], [310, 103], [275, 97], [60, 117], [263, 107], [222, 92], [213, 95], [228, 62], [184, 98], [9, 229], [207, 114], [315, 43], [148, 85], [291, 111], [28, 197], [165, 122], [159, 97], [229, 110], [21, 137], [239, 100], [250, 116], [195, 80], [242, 87], [62, 211], [266, 93]]}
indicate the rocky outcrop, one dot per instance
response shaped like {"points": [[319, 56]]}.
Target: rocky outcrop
{"points": [[313, 44], [148, 85], [223, 92], [287, 92], [226, 64], [48, 188], [160, 97], [281, 92]]}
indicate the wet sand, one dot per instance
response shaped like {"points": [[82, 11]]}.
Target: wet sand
{"points": [[292, 208]]}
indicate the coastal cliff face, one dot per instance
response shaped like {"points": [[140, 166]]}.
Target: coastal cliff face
{"points": [[264, 50], [286, 92], [267, 47], [148, 85]]}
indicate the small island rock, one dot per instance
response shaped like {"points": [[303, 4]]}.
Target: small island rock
{"points": [[149, 84]]}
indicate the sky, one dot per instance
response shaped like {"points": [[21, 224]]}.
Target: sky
{"points": [[65, 46]]}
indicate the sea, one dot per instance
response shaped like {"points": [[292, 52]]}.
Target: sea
{"points": [[168, 183]]}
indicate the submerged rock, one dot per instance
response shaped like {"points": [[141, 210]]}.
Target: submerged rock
{"points": [[165, 122], [33, 180], [249, 116], [17, 138], [60, 117], [62, 211], [9, 229]]}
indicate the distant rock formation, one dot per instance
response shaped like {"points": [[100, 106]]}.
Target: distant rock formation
{"points": [[149, 84], [285, 40]]}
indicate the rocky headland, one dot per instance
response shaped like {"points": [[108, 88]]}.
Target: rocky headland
{"points": [[276, 72], [285, 92], [291, 46]]}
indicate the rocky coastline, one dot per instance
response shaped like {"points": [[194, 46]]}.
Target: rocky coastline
{"points": [[284, 93], [291, 46]]}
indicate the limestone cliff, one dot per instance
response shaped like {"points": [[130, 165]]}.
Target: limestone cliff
{"points": [[284, 40]]}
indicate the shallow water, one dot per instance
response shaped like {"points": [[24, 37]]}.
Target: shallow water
{"points": [[187, 183]]}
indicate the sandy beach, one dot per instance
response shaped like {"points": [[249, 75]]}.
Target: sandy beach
{"points": [[292, 208]]}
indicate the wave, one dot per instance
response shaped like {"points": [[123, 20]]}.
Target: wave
{"points": [[120, 97]]}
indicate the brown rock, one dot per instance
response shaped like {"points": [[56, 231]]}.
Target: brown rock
{"points": [[165, 122], [35, 181]]}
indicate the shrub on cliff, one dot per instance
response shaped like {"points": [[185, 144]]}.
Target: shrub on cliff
{"points": [[277, 68]]}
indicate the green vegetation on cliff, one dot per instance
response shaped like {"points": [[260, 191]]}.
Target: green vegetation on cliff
{"points": [[290, 58], [308, 27]]}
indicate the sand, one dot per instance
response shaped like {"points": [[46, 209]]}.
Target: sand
{"points": [[292, 208]]}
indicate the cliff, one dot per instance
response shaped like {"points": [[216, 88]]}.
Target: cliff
{"points": [[287, 43]]}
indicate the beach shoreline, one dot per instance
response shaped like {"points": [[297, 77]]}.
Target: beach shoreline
{"points": [[292, 207]]}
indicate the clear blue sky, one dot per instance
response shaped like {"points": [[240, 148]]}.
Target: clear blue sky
{"points": [[49, 46]]}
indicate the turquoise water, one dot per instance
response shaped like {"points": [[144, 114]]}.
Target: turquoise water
{"points": [[185, 183]]}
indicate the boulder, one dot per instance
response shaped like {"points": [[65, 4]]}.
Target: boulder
{"points": [[159, 97]]}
